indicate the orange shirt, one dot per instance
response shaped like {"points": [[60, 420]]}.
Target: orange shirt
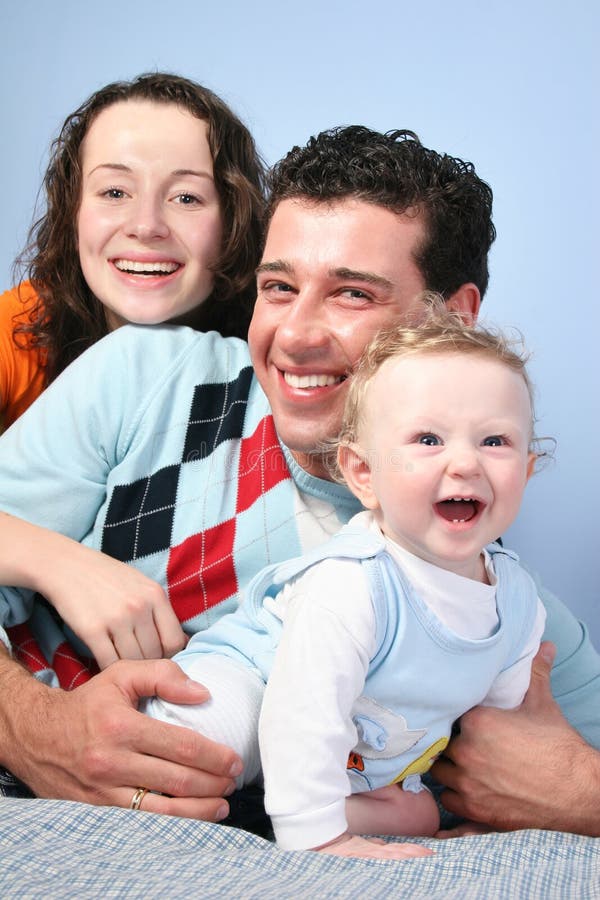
{"points": [[21, 369]]}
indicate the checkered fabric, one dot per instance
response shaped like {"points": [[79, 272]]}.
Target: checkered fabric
{"points": [[178, 471], [51, 848]]}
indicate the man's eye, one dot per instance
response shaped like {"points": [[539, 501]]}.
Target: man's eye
{"points": [[278, 286], [494, 440], [355, 294], [430, 440]]}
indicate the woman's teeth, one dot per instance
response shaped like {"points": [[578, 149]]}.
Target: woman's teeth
{"points": [[146, 268]]}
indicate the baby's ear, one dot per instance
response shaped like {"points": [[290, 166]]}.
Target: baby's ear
{"points": [[531, 463], [355, 466]]}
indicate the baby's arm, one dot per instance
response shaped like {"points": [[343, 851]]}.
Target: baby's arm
{"points": [[306, 731]]}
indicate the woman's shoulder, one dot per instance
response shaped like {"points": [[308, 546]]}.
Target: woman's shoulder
{"points": [[148, 358], [17, 301]]}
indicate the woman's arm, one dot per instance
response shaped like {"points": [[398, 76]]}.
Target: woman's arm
{"points": [[117, 611]]}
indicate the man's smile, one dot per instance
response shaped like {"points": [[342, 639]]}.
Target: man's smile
{"points": [[311, 380]]}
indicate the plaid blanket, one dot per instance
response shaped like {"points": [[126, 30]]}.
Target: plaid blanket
{"points": [[52, 848]]}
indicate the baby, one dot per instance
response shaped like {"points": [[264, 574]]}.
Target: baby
{"points": [[347, 667]]}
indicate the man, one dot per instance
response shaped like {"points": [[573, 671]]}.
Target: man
{"points": [[180, 471]]}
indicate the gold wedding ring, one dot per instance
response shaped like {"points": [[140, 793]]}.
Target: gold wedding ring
{"points": [[136, 800]]}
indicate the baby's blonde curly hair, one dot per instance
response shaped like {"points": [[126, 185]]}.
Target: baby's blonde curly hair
{"points": [[441, 331]]}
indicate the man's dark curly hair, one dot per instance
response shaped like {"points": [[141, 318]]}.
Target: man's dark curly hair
{"points": [[396, 171]]}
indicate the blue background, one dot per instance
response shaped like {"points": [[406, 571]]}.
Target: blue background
{"points": [[512, 86]]}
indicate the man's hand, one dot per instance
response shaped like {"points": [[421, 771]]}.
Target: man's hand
{"points": [[523, 768], [92, 745]]}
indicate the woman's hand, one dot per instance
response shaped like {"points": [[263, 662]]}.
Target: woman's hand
{"points": [[117, 611]]}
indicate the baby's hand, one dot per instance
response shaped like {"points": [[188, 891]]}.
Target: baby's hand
{"points": [[372, 848]]}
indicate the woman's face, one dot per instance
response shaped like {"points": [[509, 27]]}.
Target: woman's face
{"points": [[149, 225]]}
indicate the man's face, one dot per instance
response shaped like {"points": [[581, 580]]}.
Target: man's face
{"points": [[331, 276]]}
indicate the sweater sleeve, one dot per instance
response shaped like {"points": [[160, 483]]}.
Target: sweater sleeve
{"points": [[306, 731], [575, 677], [55, 460]]}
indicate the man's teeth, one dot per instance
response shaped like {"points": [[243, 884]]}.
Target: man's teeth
{"points": [[146, 268], [311, 381]]}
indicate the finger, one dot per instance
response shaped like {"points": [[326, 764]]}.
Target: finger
{"points": [[126, 643], [539, 693], [443, 770], [466, 830], [161, 677], [185, 747], [147, 636], [173, 780], [102, 649], [171, 634], [208, 809], [401, 851]]}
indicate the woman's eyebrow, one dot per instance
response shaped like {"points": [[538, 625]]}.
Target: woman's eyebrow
{"points": [[121, 167]]}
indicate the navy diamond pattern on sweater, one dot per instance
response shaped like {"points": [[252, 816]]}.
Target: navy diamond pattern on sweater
{"points": [[139, 519], [217, 415]]}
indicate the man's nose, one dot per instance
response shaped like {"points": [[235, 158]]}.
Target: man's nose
{"points": [[304, 326]]}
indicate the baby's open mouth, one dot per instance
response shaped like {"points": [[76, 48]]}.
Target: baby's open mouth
{"points": [[458, 509]]}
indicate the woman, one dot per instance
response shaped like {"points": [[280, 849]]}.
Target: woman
{"points": [[154, 197]]}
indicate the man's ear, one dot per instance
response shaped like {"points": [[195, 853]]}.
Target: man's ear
{"points": [[355, 467], [466, 301]]}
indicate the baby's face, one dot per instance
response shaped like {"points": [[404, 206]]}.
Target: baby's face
{"points": [[446, 438]]}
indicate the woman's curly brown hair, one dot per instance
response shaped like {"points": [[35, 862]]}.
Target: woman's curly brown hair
{"points": [[68, 317]]}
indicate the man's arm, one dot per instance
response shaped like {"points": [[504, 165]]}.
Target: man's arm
{"points": [[523, 768], [92, 745]]}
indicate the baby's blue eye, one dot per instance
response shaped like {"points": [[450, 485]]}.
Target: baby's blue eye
{"points": [[494, 440], [430, 440]]}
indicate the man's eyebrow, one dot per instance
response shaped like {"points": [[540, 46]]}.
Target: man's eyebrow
{"points": [[277, 265], [368, 277]]}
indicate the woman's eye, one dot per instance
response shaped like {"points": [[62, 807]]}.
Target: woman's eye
{"points": [[187, 199], [494, 440], [430, 440], [114, 194]]}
